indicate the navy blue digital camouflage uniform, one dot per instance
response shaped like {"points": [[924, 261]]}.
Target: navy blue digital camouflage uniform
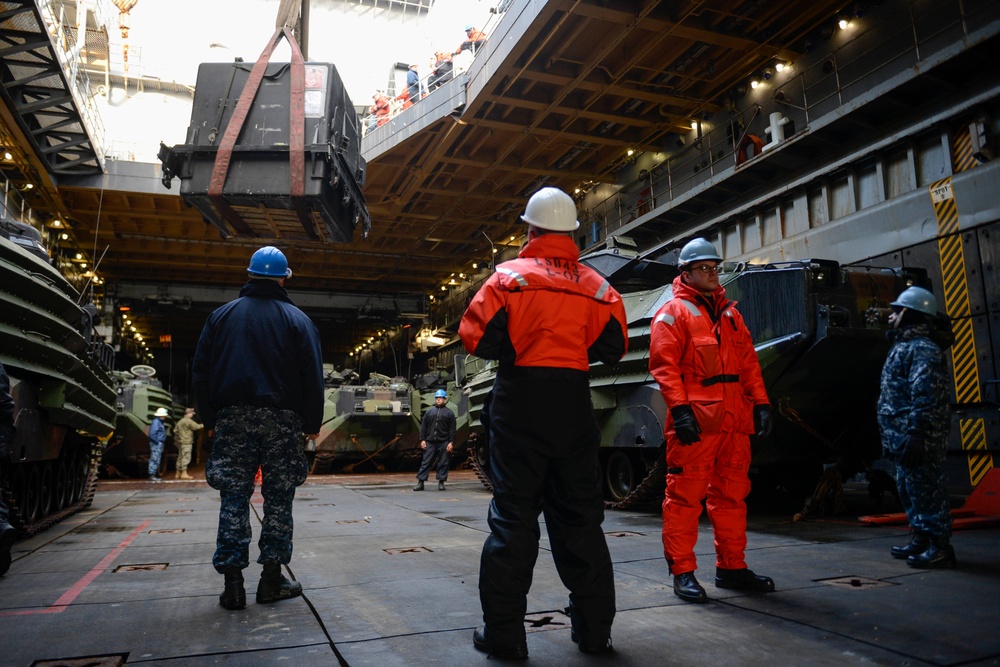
{"points": [[258, 376], [157, 439], [914, 402]]}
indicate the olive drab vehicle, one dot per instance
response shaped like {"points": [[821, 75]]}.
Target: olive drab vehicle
{"points": [[372, 423], [818, 329], [140, 394], [60, 374]]}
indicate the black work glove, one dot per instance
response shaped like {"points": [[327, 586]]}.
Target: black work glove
{"points": [[912, 454], [763, 420], [685, 424]]}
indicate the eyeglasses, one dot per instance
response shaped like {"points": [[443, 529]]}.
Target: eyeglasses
{"points": [[706, 269]]}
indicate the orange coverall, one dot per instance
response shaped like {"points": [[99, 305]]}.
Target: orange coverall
{"points": [[702, 355]]}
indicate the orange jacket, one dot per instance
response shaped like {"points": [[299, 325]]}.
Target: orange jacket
{"points": [[381, 106], [404, 97], [702, 355], [473, 39], [544, 309]]}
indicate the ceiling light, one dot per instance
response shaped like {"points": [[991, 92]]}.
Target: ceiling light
{"points": [[64, 236], [475, 265], [7, 155], [779, 66], [754, 82], [843, 22], [629, 152]]}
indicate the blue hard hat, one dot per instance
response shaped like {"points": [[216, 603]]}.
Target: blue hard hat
{"points": [[270, 263], [440, 393], [469, 27]]}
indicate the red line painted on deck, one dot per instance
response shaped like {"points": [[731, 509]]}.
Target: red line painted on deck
{"points": [[66, 599]]}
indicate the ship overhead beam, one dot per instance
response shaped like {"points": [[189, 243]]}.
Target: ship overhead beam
{"points": [[40, 91], [314, 302]]}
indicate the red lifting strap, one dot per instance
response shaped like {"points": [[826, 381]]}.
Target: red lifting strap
{"points": [[296, 131]]}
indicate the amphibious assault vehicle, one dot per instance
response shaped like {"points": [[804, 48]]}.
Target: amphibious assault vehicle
{"points": [[375, 422], [61, 381], [818, 328], [140, 394]]}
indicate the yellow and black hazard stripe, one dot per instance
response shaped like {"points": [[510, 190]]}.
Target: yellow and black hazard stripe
{"points": [[955, 285]]}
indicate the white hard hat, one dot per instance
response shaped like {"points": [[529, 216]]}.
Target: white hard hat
{"points": [[161, 412], [551, 209]]}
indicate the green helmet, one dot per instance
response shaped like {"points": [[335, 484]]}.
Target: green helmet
{"points": [[918, 299], [697, 250]]}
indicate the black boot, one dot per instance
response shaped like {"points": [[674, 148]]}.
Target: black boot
{"points": [[591, 646], [589, 639], [687, 588], [273, 585], [514, 650], [743, 579], [918, 544], [440, 486], [939, 555], [234, 596], [419, 486]]}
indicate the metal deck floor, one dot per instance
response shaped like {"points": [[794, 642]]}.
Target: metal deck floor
{"points": [[390, 578]]}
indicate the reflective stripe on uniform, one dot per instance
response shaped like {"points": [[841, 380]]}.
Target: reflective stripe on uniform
{"points": [[513, 274], [692, 307], [664, 317], [602, 289]]}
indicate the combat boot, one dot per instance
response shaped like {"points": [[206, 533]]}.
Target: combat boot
{"points": [[687, 588], [419, 486], [509, 650], [184, 475], [234, 596], [743, 579], [939, 555], [273, 586], [918, 544]]}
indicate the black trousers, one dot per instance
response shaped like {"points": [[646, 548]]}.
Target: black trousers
{"points": [[545, 463], [439, 449]]}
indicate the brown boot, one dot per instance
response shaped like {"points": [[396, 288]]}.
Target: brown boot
{"points": [[177, 474], [184, 475]]}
